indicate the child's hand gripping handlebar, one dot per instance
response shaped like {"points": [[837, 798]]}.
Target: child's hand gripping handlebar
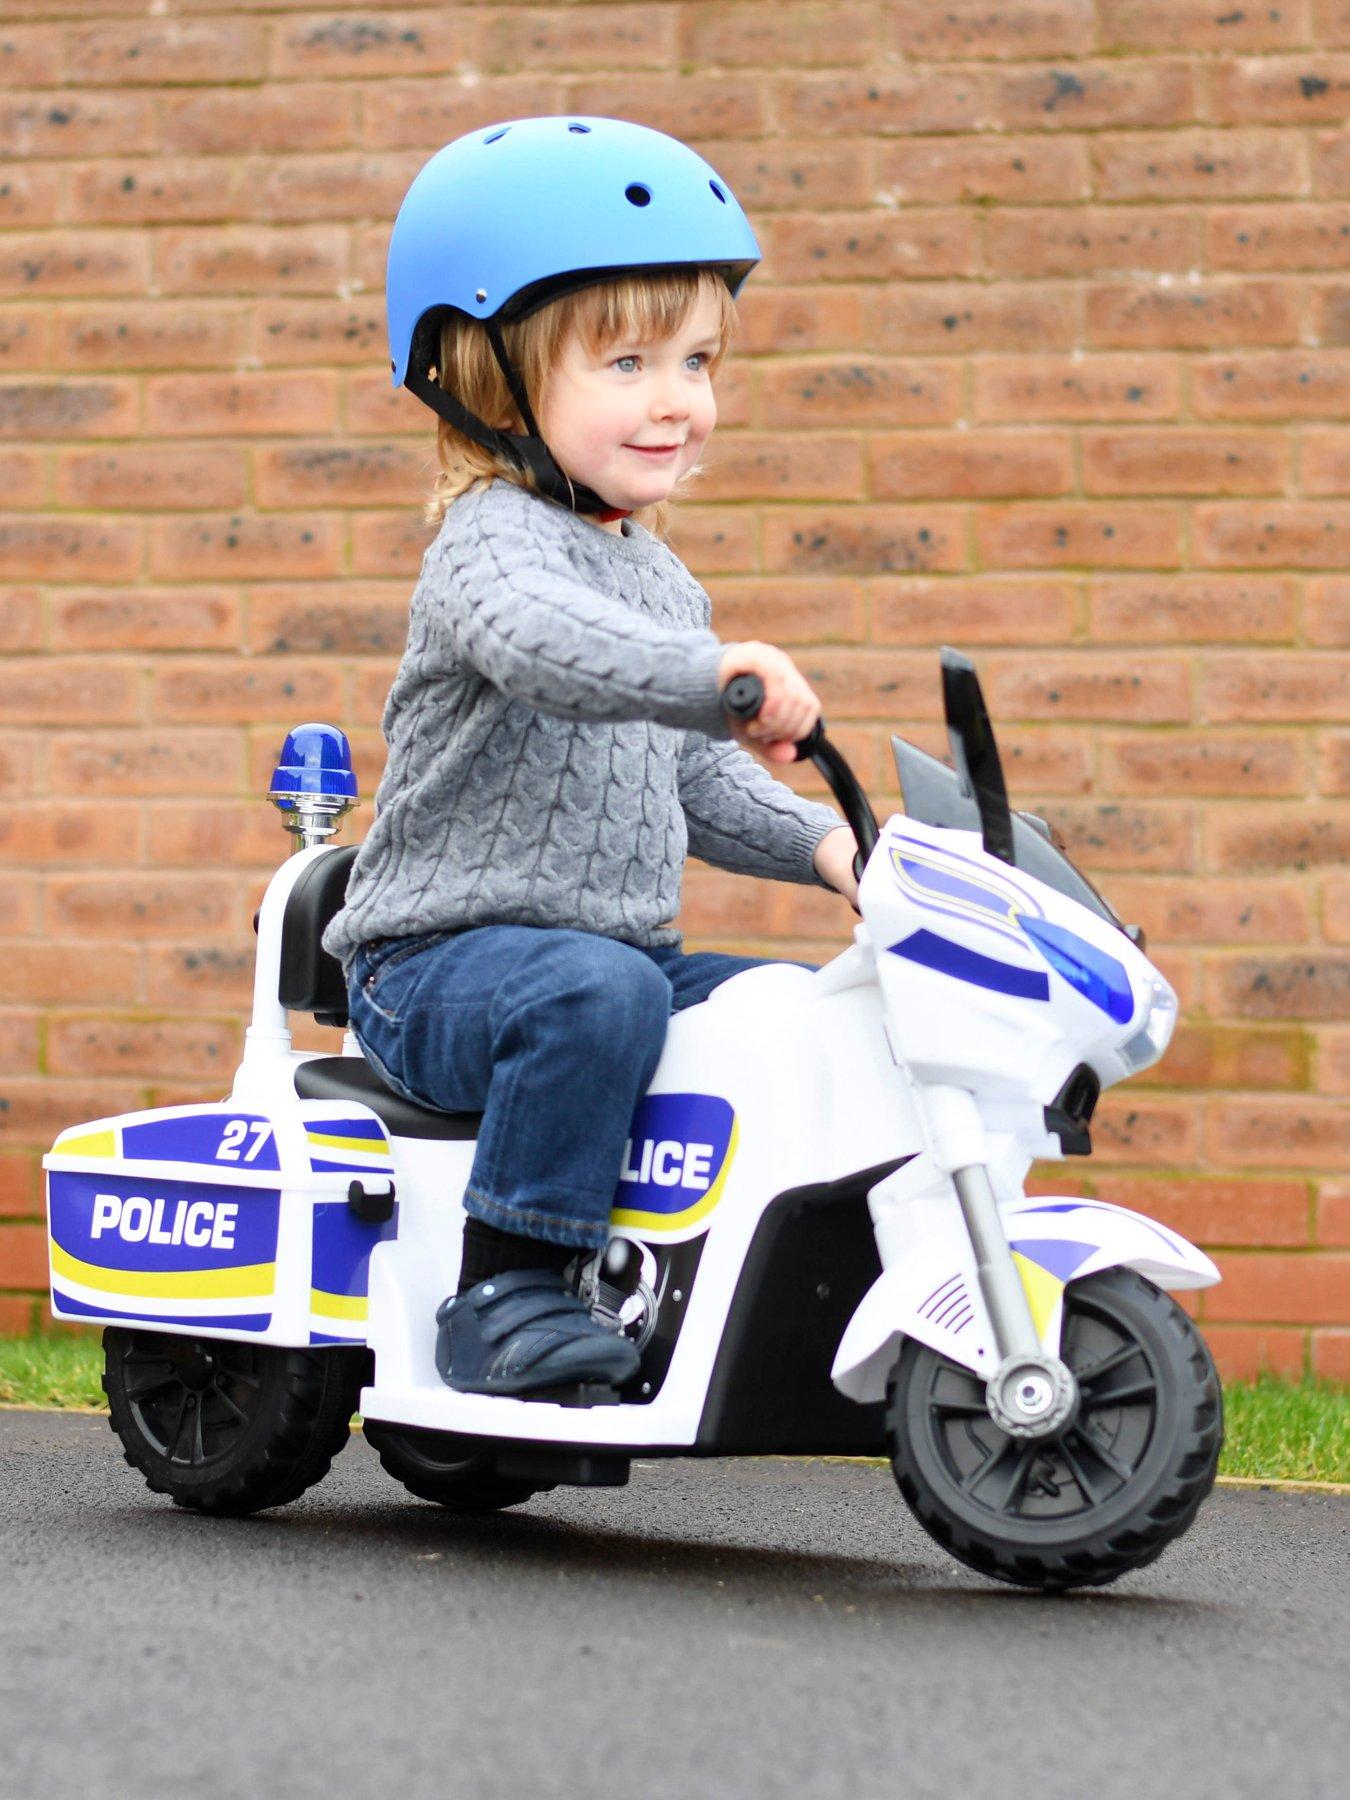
{"points": [[742, 698]]}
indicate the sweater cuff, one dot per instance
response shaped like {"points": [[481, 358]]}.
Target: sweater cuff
{"points": [[696, 689], [809, 832]]}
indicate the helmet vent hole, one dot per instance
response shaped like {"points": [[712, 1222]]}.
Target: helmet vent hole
{"points": [[583, 129], [717, 190], [639, 195], [492, 136]]}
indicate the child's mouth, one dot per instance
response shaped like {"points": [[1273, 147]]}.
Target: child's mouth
{"points": [[655, 451]]}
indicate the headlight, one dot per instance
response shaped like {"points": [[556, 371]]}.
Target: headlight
{"points": [[1148, 1045]]}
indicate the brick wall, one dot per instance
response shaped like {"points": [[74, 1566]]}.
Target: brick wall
{"points": [[1047, 358]]}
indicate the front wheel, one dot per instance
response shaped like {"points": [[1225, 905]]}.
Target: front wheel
{"points": [[1104, 1496], [228, 1427], [445, 1469]]}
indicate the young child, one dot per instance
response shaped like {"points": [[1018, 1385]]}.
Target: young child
{"points": [[561, 292]]}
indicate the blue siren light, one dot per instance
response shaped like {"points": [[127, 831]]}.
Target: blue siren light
{"points": [[315, 759], [1097, 976]]}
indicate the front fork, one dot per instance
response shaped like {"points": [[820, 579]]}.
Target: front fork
{"points": [[1030, 1394]]}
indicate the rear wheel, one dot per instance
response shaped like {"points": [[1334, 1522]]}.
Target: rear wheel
{"points": [[445, 1469], [1105, 1495], [226, 1427]]}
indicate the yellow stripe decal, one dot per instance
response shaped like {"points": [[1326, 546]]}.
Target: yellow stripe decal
{"points": [[373, 1146], [1043, 1290], [654, 1221], [93, 1143], [338, 1306], [248, 1280]]}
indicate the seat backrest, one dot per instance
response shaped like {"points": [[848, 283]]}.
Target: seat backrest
{"points": [[310, 980]]}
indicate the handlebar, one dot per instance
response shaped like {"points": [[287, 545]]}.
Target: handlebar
{"points": [[743, 696]]}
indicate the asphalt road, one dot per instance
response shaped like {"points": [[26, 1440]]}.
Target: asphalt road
{"points": [[729, 1628]]}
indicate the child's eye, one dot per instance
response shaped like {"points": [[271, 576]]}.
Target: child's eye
{"points": [[619, 361], [700, 357]]}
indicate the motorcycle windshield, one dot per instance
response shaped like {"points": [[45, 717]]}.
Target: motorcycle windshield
{"points": [[933, 794]]}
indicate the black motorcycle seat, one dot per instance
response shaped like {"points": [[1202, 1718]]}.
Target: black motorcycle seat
{"points": [[353, 1078]]}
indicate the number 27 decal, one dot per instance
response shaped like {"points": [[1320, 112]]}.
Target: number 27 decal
{"points": [[236, 1132]]}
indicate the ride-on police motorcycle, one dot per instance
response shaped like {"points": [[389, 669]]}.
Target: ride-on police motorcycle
{"points": [[821, 1242]]}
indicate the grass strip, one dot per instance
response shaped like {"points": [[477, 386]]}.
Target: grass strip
{"points": [[1276, 1430]]}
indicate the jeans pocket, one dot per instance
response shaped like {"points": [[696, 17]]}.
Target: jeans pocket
{"points": [[375, 976]]}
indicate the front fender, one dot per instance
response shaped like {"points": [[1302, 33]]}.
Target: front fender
{"points": [[931, 1291]]}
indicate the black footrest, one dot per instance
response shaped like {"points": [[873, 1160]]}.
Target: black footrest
{"points": [[564, 1468]]}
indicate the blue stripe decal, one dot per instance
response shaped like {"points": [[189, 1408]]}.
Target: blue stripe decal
{"points": [[322, 1337], [321, 1167], [232, 1321], [1097, 976], [941, 954]]}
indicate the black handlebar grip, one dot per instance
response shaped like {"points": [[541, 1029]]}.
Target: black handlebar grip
{"points": [[743, 696]]}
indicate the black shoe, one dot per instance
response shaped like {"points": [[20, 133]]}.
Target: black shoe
{"points": [[528, 1334]]}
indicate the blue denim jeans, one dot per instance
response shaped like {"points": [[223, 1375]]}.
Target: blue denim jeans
{"points": [[553, 1035]]}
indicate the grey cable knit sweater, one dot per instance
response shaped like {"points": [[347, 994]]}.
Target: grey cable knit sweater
{"points": [[553, 740]]}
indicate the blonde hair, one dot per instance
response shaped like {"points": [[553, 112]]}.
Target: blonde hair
{"points": [[645, 306]]}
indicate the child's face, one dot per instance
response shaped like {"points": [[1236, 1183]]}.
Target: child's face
{"points": [[631, 419]]}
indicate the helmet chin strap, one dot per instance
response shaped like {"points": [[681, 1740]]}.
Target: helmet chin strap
{"points": [[527, 451]]}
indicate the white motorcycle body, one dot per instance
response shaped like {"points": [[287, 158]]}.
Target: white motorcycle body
{"points": [[788, 1180]]}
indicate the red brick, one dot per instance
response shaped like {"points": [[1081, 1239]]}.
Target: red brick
{"points": [[19, 1313], [960, 465], [38, 1110], [191, 618], [792, 175], [338, 472], [67, 691], [32, 56], [328, 45], [20, 615], [24, 334], [771, 466], [246, 259], [1313, 983], [785, 319], [245, 691], [1280, 90], [1273, 384], [809, 394], [60, 409], [147, 477], [23, 1256], [1088, 240], [74, 262], [23, 479], [1288, 1131], [1164, 609], [1204, 763], [19, 764], [371, 407], [1199, 165], [149, 335], [165, 50], [20, 1038], [865, 246], [598, 37], [1333, 1061], [1333, 763], [1278, 837], [1212, 1212], [1302, 1288], [1085, 684], [1025, 389], [1333, 1215], [1184, 462], [1308, 535], [1030, 534], [1009, 170], [1327, 612], [863, 540], [250, 121], [209, 973], [240, 835], [30, 196], [787, 612], [62, 123], [140, 905], [1248, 686], [887, 100], [193, 762], [136, 190], [942, 318], [20, 1185], [359, 618], [972, 610], [239, 546], [286, 405], [1331, 1355], [422, 115], [1110, 835], [1145, 1128], [316, 330], [1243, 1352], [43, 972], [1220, 1056], [1208, 909], [49, 831], [736, 35], [389, 543], [141, 1047]]}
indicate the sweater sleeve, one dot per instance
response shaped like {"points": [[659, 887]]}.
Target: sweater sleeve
{"points": [[740, 817], [531, 626]]}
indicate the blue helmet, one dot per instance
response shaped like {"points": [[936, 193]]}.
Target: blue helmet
{"points": [[506, 218]]}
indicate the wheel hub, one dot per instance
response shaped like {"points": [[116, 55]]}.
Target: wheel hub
{"points": [[1032, 1396]]}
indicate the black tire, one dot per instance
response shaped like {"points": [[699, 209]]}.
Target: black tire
{"points": [[1105, 1496], [226, 1427], [446, 1469]]}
